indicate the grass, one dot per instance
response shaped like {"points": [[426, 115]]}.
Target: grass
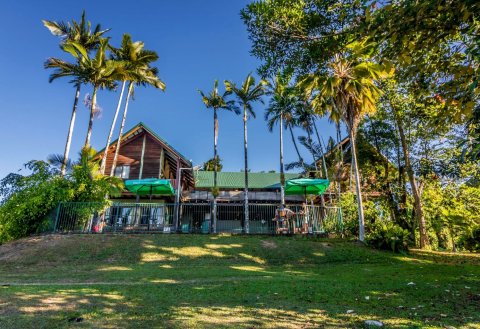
{"points": [[195, 281]]}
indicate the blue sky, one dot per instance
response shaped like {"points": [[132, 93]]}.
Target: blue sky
{"points": [[198, 42]]}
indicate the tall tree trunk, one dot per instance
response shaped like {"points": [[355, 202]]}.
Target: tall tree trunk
{"points": [[340, 148], [122, 125], [324, 165], [361, 219], [322, 149], [247, 224], [215, 170], [63, 169], [92, 115], [300, 159], [112, 127], [413, 182], [282, 169]]}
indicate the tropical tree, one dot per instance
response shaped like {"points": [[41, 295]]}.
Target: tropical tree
{"points": [[246, 95], [82, 34], [216, 101], [126, 54], [348, 87], [213, 164], [140, 73], [99, 71], [282, 103]]}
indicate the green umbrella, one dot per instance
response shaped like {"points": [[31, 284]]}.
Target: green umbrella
{"points": [[304, 186], [150, 186]]}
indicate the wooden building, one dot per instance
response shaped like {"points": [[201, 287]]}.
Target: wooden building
{"points": [[144, 154]]}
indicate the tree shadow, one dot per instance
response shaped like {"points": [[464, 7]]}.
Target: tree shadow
{"points": [[230, 281]]}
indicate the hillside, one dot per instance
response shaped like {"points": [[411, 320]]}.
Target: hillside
{"points": [[178, 281]]}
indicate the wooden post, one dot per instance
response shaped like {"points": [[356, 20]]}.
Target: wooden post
{"points": [[179, 193], [143, 154], [162, 159]]}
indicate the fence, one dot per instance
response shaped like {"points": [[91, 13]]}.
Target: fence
{"points": [[92, 217]]}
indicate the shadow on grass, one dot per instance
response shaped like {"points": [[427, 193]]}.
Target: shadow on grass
{"points": [[222, 281]]}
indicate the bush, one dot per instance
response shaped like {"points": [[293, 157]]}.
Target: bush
{"points": [[387, 236], [471, 240], [27, 202]]}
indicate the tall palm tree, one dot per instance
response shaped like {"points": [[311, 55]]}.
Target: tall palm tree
{"points": [[282, 102], [216, 101], [128, 55], [82, 34], [100, 72], [246, 95], [348, 87], [140, 73]]}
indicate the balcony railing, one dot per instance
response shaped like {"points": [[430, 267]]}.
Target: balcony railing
{"points": [[90, 217]]}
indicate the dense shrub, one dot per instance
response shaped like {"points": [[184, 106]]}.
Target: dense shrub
{"points": [[471, 240], [27, 209], [388, 236], [29, 201]]}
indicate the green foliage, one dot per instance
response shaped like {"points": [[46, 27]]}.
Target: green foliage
{"points": [[210, 165], [373, 212], [349, 207], [388, 236], [27, 210], [29, 204], [471, 239]]}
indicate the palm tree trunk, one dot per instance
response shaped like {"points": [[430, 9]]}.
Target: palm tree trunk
{"points": [[92, 115], [282, 169], [413, 182], [361, 219], [247, 226], [300, 159], [112, 127], [215, 169], [120, 133], [324, 165], [339, 140], [63, 169]]}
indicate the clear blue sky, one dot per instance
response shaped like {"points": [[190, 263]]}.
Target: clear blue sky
{"points": [[198, 42]]}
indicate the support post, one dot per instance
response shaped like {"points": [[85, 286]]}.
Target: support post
{"points": [[56, 217], [162, 158], [178, 177], [143, 155]]}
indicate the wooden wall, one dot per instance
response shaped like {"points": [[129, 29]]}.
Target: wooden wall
{"points": [[131, 154]]}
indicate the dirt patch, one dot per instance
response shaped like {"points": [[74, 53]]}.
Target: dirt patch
{"points": [[326, 245], [269, 244], [18, 249]]}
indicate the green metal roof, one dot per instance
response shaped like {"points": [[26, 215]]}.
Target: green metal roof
{"points": [[236, 180]]}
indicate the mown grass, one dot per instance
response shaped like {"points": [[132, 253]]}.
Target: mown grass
{"points": [[195, 281]]}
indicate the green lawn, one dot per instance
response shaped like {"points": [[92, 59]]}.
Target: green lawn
{"points": [[194, 281]]}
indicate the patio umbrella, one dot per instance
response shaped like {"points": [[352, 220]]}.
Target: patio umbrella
{"points": [[150, 186], [304, 186]]}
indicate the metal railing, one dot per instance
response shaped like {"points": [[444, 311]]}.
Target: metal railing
{"points": [[90, 217]]}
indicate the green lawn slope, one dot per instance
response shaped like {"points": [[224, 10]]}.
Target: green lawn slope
{"points": [[205, 281]]}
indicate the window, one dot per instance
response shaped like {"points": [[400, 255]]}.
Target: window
{"points": [[122, 171]]}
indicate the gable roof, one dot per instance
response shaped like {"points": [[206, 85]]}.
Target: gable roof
{"points": [[141, 125], [236, 180]]}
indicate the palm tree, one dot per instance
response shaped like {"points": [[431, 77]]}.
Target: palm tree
{"points": [[246, 95], [348, 88], [99, 71], [127, 54], [140, 73], [216, 101], [82, 34], [281, 102]]}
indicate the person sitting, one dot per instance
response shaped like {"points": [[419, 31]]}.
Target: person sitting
{"points": [[282, 218]]}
